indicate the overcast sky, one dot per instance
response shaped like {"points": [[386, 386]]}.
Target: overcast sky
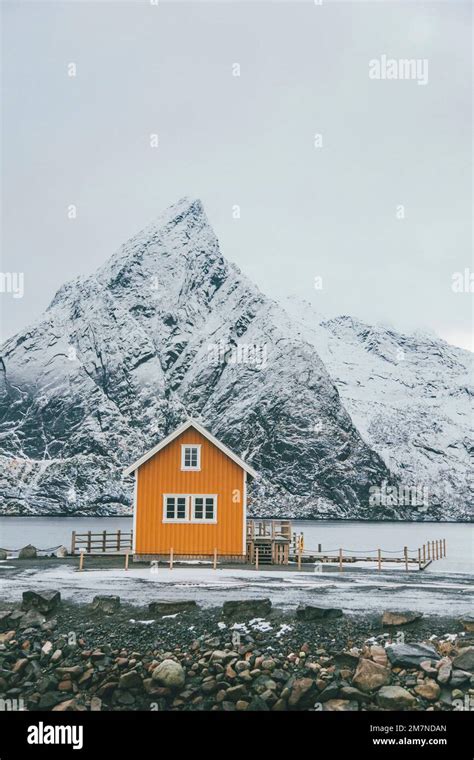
{"points": [[330, 210]]}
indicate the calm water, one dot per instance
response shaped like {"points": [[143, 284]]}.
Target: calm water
{"points": [[48, 532], [393, 536]]}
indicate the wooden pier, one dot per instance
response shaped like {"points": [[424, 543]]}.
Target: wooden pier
{"points": [[270, 542], [411, 559]]}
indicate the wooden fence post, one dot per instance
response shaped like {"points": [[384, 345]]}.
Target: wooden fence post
{"points": [[299, 558], [419, 559], [214, 564], [171, 559], [437, 549], [429, 552], [405, 551], [256, 558], [441, 548], [81, 559], [444, 546], [126, 560], [432, 550], [379, 554], [73, 542], [104, 540], [320, 548], [340, 560], [118, 540], [424, 554], [89, 541]]}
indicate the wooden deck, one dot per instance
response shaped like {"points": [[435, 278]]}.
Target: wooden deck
{"points": [[268, 542]]}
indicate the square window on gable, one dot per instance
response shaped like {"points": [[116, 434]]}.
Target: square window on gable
{"points": [[191, 456]]}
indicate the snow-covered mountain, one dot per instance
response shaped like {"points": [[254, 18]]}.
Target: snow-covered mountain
{"points": [[166, 329], [409, 395]]}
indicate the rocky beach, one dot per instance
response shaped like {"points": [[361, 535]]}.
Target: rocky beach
{"points": [[245, 655]]}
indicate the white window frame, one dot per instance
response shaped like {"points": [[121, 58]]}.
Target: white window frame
{"points": [[178, 520], [203, 520], [185, 446]]}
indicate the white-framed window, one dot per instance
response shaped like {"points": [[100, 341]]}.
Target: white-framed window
{"points": [[175, 507], [204, 508], [181, 507], [191, 456]]}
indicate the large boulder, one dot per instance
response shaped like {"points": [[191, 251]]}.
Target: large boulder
{"points": [[172, 608], [370, 675], [303, 693], [3, 554], [353, 695], [310, 613], [109, 604], [32, 619], [411, 655], [5, 620], [247, 608], [394, 698], [444, 668], [459, 677], [130, 680], [390, 617], [169, 674], [465, 659], [43, 601], [467, 622], [428, 689], [28, 552], [61, 552]]}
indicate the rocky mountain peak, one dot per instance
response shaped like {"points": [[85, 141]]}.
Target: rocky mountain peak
{"points": [[165, 329]]}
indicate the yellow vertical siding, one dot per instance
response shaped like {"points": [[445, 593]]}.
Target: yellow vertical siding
{"points": [[162, 474]]}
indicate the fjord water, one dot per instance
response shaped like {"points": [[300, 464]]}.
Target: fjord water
{"points": [[49, 532]]}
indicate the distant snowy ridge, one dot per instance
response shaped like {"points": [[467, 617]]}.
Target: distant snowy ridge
{"points": [[410, 397], [168, 328]]}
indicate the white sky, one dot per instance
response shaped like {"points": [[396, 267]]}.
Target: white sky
{"points": [[247, 140]]}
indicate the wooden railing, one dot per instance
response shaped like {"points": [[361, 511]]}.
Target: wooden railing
{"points": [[102, 543], [420, 557], [274, 529]]}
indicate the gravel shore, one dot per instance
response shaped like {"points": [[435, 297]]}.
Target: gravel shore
{"points": [[245, 655]]}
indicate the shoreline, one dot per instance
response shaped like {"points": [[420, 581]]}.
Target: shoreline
{"points": [[357, 589]]}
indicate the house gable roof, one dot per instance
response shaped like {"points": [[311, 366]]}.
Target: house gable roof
{"points": [[185, 426]]}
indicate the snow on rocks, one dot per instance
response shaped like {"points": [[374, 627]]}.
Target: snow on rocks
{"points": [[166, 666]]}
